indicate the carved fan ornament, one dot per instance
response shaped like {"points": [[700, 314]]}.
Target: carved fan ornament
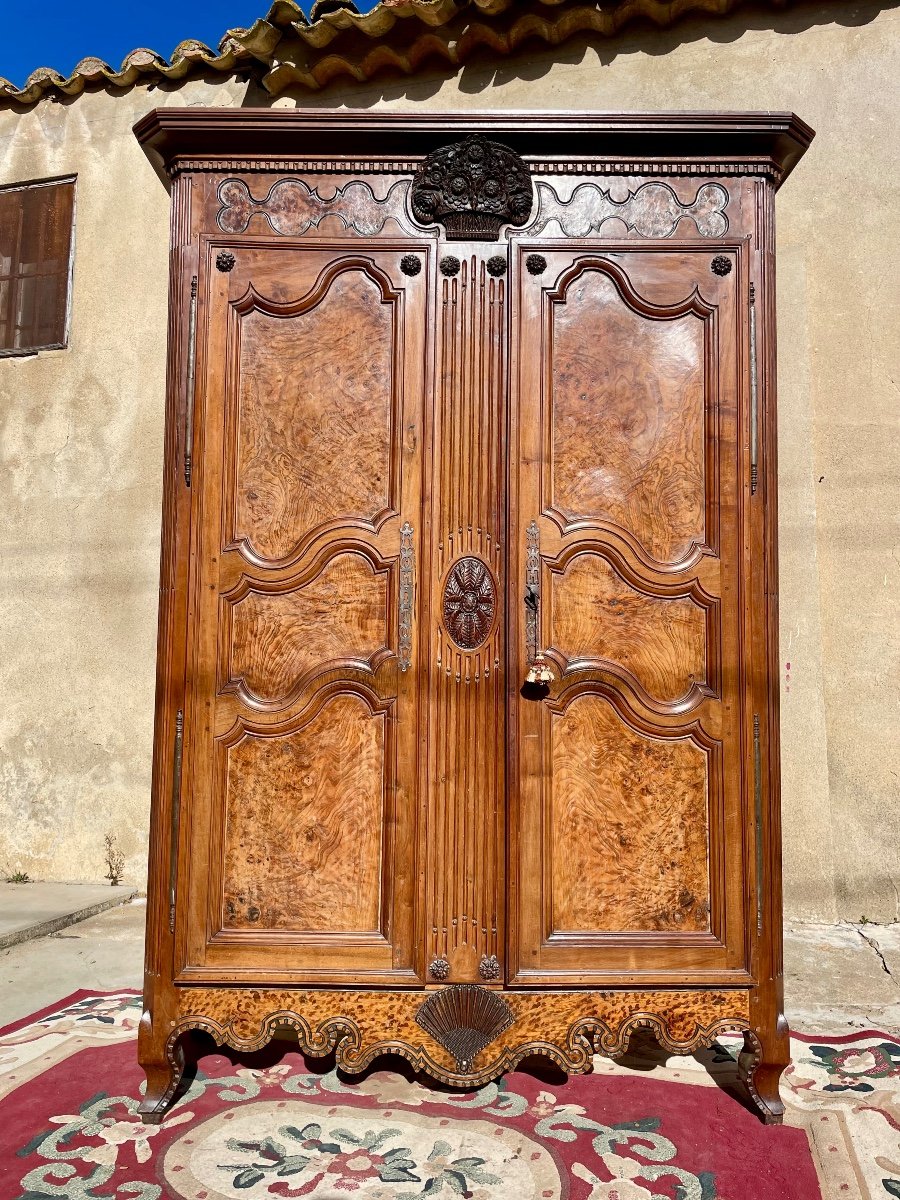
{"points": [[465, 1018], [472, 188], [470, 600]]}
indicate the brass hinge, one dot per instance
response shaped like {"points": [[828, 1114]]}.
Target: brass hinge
{"points": [[189, 397], [407, 588], [176, 815], [532, 590], [754, 398], [757, 798]]}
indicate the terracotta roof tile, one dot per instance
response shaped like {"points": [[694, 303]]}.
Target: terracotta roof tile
{"points": [[141, 64], [288, 50]]}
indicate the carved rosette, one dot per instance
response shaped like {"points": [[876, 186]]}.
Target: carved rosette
{"points": [[470, 601], [472, 188], [489, 967]]}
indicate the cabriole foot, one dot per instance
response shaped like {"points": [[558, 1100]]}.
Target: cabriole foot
{"points": [[761, 1074], [164, 1074]]}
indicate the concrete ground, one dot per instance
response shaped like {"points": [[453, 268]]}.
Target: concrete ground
{"points": [[30, 910], [838, 977], [842, 977], [102, 953]]}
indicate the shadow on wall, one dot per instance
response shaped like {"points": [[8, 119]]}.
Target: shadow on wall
{"points": [[533, 58]]}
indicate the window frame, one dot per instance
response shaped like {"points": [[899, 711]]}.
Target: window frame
{"points": [[29, 185]]}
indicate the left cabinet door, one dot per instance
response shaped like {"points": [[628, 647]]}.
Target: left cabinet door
{"points": [[298, 836]]}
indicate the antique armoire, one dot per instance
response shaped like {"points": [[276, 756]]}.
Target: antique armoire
{"points": [[467, 717]]}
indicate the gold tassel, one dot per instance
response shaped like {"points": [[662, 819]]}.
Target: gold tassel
{"points": [[539, 671]]}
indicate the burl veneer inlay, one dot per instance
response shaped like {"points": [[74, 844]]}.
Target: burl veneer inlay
{"points": [[597, 616], [279, 638], [304, 819], [316, 415], [628, 417], [629, 825]]}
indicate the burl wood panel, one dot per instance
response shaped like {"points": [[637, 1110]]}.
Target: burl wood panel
{"points": [[628, 826], [628, 417], [291, 207], [303, 826], [315, 415], [653, 210], [467, 745], [568, 1027], [277, 638], [597, 616]]}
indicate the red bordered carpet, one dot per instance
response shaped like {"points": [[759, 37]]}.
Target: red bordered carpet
{"points": [[643, 1128]]}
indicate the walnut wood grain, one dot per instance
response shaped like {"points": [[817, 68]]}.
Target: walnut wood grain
{"points": [[628, 826], [652, 211], [466, 677], [300, 830], [596, 616], [279, 637], [627, 416], [619, 426], [316, 415], [291, 207], [304, 824], [627, 785]]}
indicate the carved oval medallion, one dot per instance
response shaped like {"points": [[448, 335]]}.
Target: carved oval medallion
{"points": [[470, 600]]}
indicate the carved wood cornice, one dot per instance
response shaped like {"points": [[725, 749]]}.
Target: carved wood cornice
{"points": [[696, 144], [698, 168]]}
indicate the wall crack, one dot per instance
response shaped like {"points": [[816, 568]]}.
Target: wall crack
{"points": [[874, 945]]}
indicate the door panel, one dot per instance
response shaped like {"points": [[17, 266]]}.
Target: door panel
{"points": [[657, 644], [303, 830], [302, 730], [650, 422], [626, 797], [316, 420], [628, 837], [280, 640]]}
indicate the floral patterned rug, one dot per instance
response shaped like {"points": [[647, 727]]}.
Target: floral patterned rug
{"points": [[642, 1128]]}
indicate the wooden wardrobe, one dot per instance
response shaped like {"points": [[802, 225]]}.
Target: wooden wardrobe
{"points": [[467, 717]]}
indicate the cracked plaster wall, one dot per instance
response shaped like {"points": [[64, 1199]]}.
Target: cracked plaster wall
{"points": [[82, 436]]}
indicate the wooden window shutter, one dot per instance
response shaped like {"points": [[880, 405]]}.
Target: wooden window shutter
{"points": [[35, 250]]}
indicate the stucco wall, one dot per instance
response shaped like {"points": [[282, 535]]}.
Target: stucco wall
{"points": [[80, 496], [82, 437]]}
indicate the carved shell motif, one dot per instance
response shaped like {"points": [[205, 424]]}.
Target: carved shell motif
{"points": [[464, 1019], [470, 600]]}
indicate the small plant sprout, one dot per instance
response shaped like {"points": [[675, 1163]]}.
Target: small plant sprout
{"points": [[115, 860]]}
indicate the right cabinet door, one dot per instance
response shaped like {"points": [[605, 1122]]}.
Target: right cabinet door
{"points": [[628, 804]]}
